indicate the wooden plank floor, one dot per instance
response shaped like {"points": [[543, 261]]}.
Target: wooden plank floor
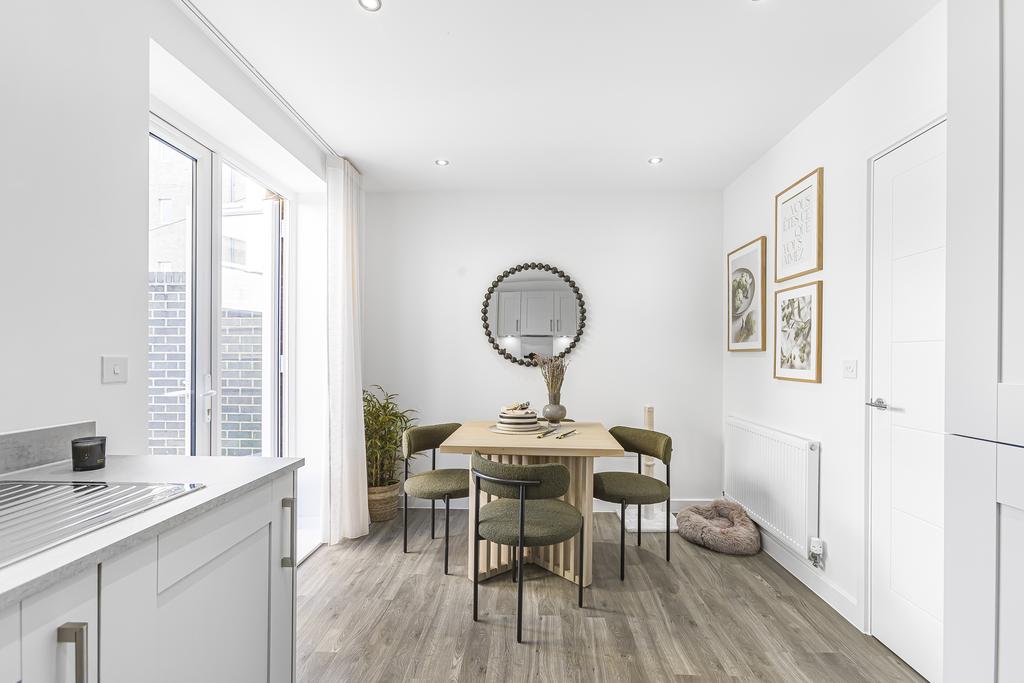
{"points": [[366, 612]]}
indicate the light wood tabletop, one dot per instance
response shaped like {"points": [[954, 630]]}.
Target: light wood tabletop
{"points": [[591, 440]]}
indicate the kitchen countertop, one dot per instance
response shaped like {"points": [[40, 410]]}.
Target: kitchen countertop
{"points": [[224, 479]]}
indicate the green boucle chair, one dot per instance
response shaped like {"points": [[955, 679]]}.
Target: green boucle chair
{"points": [[626, 488], [435, 484], [512, 521]]}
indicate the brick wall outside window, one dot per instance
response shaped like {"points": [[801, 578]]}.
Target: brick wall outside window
{"points": [[241, 370]]}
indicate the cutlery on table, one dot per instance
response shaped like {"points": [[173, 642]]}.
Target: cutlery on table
{"points": [[546, 432], [568, 433]]}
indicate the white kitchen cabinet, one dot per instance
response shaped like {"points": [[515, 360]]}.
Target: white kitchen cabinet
{"points": [[10, 644], [128, 614], [565, 321], [201, 603], [984, 357], [1011, 593], [538, 313], [283, 557], [219, 605], [59, 631], [509, 305]]}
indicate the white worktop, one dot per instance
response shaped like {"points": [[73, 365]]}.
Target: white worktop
{"points": [[224, 478]]}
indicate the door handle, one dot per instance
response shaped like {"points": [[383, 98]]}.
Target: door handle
{"points": [[77, 632], [290, 560], [878, 403]]}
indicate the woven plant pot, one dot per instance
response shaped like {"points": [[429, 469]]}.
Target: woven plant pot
{"points": [[383, 502]]}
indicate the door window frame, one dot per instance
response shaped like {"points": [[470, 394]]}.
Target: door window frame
{"points": [[207, 242]]}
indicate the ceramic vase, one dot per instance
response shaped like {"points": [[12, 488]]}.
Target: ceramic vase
{"points": [[554, 411]]}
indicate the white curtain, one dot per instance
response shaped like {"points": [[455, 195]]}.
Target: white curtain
{"points": [[349, 516]]}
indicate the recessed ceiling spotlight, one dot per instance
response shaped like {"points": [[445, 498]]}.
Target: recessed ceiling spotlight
{"points": [[654, 161], [370, 5], [441, 162]]}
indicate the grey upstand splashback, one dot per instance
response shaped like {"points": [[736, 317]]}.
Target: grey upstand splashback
{"points": [[19, 450]]}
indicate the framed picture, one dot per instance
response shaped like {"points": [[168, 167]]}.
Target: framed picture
{"points": [[798, 333], [745, 268], [798, 227]]}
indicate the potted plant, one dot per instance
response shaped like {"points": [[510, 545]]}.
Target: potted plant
{"points": [[384, 424]]}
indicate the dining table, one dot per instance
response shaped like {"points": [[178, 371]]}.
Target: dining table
{"points": [[576, 451]]}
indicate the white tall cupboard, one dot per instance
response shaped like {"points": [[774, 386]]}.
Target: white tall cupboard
{"points": [[984, 517]]}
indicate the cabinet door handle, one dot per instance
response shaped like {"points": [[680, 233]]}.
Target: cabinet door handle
{"points": [[77, 632], [289, 503]]}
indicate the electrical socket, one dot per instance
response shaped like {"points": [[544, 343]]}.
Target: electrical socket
{"points": [[850, 369], [816, 552]]}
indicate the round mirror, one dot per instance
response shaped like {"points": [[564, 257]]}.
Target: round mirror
{"points": [[532, 310]]}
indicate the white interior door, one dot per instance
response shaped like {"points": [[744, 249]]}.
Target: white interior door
{"points": [[907, 374]]}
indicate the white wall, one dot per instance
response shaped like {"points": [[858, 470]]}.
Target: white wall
{"points": [[646, 264], [73, 239], [73, 260], [903, 89]]}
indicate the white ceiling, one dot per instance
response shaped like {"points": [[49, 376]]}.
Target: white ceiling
{"points": [[565, 94]]}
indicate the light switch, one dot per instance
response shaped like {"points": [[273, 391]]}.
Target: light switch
{"points": [[850, 369], [114, 369]]}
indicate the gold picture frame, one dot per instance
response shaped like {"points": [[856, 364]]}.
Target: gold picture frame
{"points": [[745, 266], [794, 204], [798, 341]]}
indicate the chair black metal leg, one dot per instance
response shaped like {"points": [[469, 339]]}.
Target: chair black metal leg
{"points": [[622, 543], [476, 551], [405, 511], [515, 563], [519, 566], [639, 520], [433, 466], [668, 513], [447, 509], [582, 568], [668, 530]]}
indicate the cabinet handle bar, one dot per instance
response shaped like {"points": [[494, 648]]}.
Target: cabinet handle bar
{"points": [[289, 561], [76, 632]]}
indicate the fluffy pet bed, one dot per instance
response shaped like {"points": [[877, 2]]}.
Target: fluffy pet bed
{"points": [[721, 526]]}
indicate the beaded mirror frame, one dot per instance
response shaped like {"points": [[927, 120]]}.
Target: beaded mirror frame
{"points": [[581, 310]]}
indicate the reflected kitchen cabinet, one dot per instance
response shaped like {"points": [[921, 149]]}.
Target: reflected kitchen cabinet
{"points": [[565, 320], [538, 312], [509, 305]]}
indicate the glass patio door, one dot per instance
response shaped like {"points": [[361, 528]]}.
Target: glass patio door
{"points": [[215, 342], [178, 373], [249, 330]]}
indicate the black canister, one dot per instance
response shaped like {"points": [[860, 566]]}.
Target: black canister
{"points": [[88, 453]]}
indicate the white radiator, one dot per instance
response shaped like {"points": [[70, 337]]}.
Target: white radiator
{"points": [[774, 476]]}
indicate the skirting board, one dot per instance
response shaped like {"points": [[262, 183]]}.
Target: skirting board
{"points": [[821, 585]]}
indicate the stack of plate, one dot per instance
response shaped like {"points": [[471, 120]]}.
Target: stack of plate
{"points": [[517, 421]]}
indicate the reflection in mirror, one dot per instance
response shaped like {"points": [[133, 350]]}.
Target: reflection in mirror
{"points": [[533, 309]]}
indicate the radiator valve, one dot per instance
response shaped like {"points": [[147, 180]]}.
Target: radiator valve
{"points": [[816, 553]]}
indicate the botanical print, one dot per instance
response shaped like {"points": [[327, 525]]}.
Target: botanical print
{"points": [[798, 333], [795, 333], [798, 228], [747, 296]]}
